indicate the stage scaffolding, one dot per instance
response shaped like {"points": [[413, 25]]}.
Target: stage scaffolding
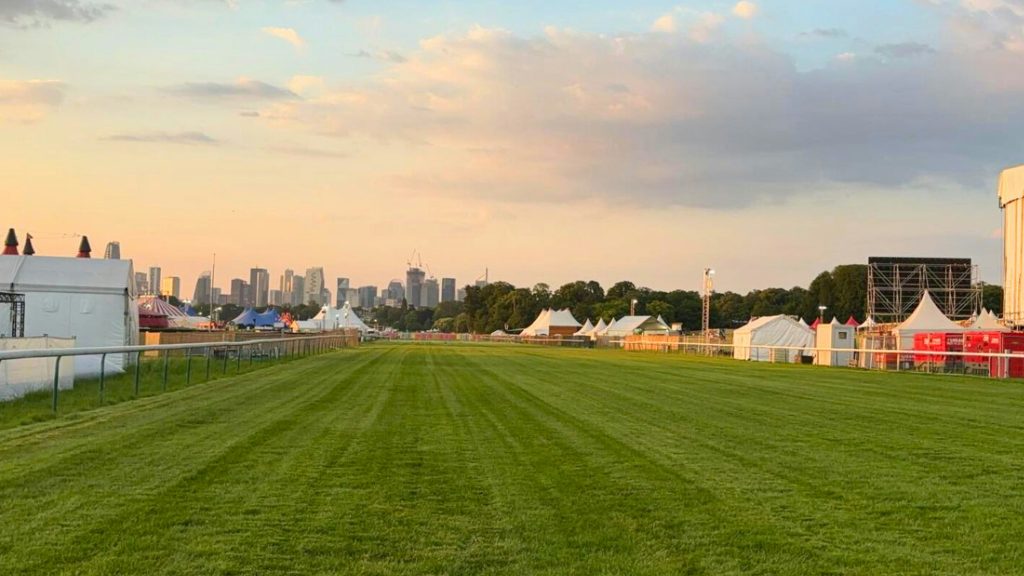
{"points": [[16, 303], [895, 287]]}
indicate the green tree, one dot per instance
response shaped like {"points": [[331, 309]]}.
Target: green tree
{"points": [[992, 298]]}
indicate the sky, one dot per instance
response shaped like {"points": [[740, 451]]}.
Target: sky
{"points": [[544, 141]]}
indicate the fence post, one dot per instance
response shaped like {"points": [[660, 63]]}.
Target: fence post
{"points": [[103, 374], [163, 386], [238, 358], [209, 351], [56, 382], [188, 366], [138, 365], [224, 367]]}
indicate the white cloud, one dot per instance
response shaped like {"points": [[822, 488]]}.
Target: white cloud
{"points": [[665, 23], [745, 9], [27, 101], [705, 27], [289, 35]]}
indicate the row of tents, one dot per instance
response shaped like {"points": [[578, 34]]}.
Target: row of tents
{"points": [[551, 322]]}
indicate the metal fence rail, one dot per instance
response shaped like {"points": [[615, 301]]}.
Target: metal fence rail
{"points": [[222, 351]]}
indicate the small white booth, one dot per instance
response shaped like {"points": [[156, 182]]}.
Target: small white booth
{"points": [[839, 338], [750, 342]]}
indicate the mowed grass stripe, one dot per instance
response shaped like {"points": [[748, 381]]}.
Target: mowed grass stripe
{"points": [[415, 459]]}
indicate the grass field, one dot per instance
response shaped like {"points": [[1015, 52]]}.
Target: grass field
{"points": [[434, 459]]}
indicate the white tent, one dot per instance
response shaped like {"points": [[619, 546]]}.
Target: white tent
{"points": [[771, 331], [340, 318], [90, 300], [549, 321], [926, 318], [989, 322], [803, 323], [586, 329], [600, 329], [628, 325], [868, 323]]}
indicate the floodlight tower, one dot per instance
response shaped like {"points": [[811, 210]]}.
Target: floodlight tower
{"points": [[709, 287]]}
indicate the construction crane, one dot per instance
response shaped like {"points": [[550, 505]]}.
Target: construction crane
{"points": [[417, 256]]}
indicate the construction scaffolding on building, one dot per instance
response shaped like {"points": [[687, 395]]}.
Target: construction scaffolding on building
{"points": [[896, 285]]}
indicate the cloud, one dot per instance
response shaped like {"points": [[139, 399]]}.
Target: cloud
{"points": [[665, 23], [30, 13], [27, 101], [289, 35], [663, 120], [745, 9], [383, 55], [903, 50], [243, 88], [307, 152], [190, 138], [827, 33]]}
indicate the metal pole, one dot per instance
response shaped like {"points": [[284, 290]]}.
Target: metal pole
{"points": [[188, 366], [103, 374], [224, 367], [238, 359], [138, 363], [163, 386], [208, 354], [56, 382]]}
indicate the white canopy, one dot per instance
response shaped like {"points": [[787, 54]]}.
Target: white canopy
{"points": [[586, 329], [600, 329], [868, 323], [778, 330], [340, 318], [926, 318], [989, 322], [549, 319], [632, 324]]}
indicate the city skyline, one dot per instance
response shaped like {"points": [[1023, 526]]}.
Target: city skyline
{"points": [[671, 137]]}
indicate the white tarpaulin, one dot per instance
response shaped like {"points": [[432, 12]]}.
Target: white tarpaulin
{"points": [[90, 300], [926, 318], [989, 322], [628, 325], [25, 375], [600, 329], [781, 330], [586, 330], [549, 319]]}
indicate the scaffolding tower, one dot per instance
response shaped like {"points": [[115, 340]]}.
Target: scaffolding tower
{"points": [[896, 285], [16, 302]]}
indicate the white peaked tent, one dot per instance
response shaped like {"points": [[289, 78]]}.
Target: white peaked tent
{"points": [[805, 324], [586, 330], [867, 324], [989, 322], [926, 318], [552, 322], [771, 331], [90, 300], [600, 329], [628, 325], [340, 319]]}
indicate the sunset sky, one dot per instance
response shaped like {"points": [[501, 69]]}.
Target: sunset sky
{"points": [[549, 141]]}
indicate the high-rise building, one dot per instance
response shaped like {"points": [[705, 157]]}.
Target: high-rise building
{"points": [[113, 251], [141, 283], [259, 287], [276, 298], [218, 298], [414, 286], [447, 289], [314, 285], [171, 286], [460, 295], [343, 286], [431, 292], [201, 295], [396, 292], [239, 292], [367, 296], [287, 285], [154, 279], [298, 290]]}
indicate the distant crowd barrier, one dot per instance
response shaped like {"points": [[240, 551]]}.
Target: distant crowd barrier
{"points": [[986, 364], [208, 353]]}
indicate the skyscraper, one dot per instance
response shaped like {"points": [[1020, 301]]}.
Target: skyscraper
{"points": [[298, 290], [201, 295], [447, 289], [287, 285], [430, 293], [414, 286], [367, 296], [314, 291], [113, 251], [171, 286], [141, 283], [239, 292], [259, 287], [396, 292], [154, 279], [276, 298], [343, 285]]}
